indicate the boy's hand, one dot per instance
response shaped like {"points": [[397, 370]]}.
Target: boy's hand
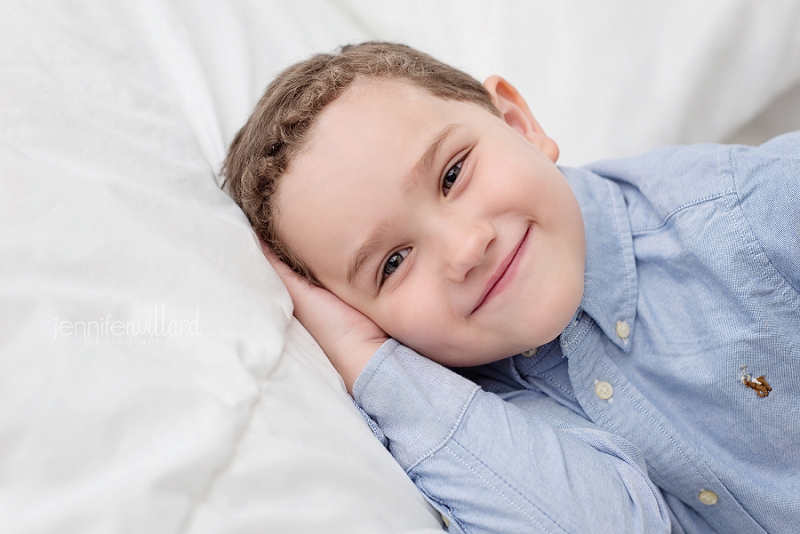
{"points": [[348, 337]]}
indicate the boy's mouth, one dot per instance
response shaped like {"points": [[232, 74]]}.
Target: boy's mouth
{"points": [[504, 272]]}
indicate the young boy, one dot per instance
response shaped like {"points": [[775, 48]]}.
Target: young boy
{"points": [[626, 335]]}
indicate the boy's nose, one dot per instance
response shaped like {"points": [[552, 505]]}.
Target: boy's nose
{"points": [[465, 247]]}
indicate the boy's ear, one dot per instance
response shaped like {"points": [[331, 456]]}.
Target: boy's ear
{"points": [[517, 115]]}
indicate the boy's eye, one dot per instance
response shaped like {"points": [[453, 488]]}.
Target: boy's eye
{"points": [[394, 261], [450, 177]]}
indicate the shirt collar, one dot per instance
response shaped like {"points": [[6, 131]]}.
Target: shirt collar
{"points": [[610, 283]]}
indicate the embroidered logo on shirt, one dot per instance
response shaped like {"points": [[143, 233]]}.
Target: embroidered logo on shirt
{"points": [[760, 384]]}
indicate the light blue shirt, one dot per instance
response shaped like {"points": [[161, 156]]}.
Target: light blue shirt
{"points": [[637, 418]]}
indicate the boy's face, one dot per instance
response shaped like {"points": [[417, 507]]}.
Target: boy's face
{"points": [[446, 225]]}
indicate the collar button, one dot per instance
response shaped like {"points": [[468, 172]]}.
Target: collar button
{"points": [[623, 329]]}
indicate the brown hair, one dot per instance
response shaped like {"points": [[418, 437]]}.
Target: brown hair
{"points": [[264, 148]]}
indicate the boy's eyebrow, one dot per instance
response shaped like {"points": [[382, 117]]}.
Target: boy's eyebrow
{"points": [[420, 169], [369, 247], [425, 163]]}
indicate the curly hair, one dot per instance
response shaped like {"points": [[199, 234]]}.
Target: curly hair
{"points": [[263, 150]]}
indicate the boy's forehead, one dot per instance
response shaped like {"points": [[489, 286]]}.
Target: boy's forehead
{"points": [[378, 123], [375, 106], [371, 127]]}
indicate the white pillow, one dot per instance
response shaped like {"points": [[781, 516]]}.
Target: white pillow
{"points": [[216, 418], [114, 117]]}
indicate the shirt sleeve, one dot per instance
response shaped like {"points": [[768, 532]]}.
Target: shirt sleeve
{"points": [[522, 463], [767, 182]]}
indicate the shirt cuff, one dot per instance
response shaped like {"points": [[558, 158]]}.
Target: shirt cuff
{"points": [[376, 430], [417, 403]]}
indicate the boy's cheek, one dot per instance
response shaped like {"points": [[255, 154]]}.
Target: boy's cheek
{"points": [[414, 328], [435, 341]]}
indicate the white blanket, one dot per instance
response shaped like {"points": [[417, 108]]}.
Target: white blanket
{"points": [[151, 376]]}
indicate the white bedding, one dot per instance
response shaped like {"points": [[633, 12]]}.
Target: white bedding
{"points": [[225, 416]]}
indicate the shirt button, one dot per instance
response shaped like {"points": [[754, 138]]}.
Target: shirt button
{"points": [[603, 390], [445, 521], [623, 329], [531, 352], [707, 497]]}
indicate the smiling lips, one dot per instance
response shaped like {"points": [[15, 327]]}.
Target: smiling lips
{"points": [[504, 272]]}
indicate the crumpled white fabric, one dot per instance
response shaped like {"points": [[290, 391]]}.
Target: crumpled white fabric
{"points": [[224, 415], [213, 412]]}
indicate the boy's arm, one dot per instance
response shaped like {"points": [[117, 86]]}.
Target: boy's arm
{"points": [[524, 464]]}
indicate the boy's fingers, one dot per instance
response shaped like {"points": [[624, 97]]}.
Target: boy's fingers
{"points": [[271, 257], [348, 337], [296, 285]]}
